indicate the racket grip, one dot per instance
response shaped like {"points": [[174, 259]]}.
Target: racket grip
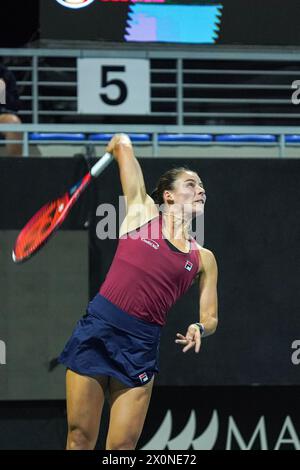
{"points": [[101, 165]]}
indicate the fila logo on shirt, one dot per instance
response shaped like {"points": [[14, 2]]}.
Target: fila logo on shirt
{"points": [[188, 266]]}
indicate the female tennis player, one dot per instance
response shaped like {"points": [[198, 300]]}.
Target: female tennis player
{"points": [[114, 347]]}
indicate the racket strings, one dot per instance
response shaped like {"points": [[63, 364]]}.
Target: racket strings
{"points": [[39, 227]]}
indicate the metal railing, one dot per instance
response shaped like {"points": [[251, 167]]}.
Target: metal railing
{"points": [[189, 87], [154, 131]]}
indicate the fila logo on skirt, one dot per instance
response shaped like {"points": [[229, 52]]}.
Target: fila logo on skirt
{"points": [[143, 377]]}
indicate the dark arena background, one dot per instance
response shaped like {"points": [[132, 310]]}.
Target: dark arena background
{"points": [[217, 95]]}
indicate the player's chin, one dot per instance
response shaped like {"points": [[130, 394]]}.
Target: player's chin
{"points": [[198, 209]]}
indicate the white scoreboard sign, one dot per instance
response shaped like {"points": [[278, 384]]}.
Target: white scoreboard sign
{"points": [[113, 86]]}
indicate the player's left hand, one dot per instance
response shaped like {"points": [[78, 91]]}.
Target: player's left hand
{"points": [[192, 339]]}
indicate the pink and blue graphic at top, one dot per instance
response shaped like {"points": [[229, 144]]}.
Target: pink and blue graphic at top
{"points": [[194, 22], [180, 23]]}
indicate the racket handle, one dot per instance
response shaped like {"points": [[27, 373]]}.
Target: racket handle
{"points": [[101, 165]]}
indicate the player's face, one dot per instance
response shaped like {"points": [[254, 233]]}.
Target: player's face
{"points": [[190, 193]]}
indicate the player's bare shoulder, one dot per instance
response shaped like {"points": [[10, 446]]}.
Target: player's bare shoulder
{"points": [[207, 259], [138, 214]]}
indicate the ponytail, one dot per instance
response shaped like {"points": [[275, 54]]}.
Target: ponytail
{"points": [[166, 182]]}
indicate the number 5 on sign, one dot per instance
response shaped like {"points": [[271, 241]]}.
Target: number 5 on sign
{"points": [[113, 86]]}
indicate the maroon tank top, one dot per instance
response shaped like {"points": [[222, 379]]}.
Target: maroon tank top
{"points": [[146, 276]]}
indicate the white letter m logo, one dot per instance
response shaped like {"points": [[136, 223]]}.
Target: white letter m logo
{"points": [[186, 438]]}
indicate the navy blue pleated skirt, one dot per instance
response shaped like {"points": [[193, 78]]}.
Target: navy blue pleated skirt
{"points": [[109, 341]]}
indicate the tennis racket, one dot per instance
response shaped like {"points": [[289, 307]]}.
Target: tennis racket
{"points": [[49, 218]]}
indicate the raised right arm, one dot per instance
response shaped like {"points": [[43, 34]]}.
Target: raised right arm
{"points": [[140, 207], [131, 175]]}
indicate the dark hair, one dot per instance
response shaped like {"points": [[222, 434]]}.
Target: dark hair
{"points": [[166, 182]]}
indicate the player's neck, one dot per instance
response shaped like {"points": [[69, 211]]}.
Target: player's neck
{"points": [[175, 227]]}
